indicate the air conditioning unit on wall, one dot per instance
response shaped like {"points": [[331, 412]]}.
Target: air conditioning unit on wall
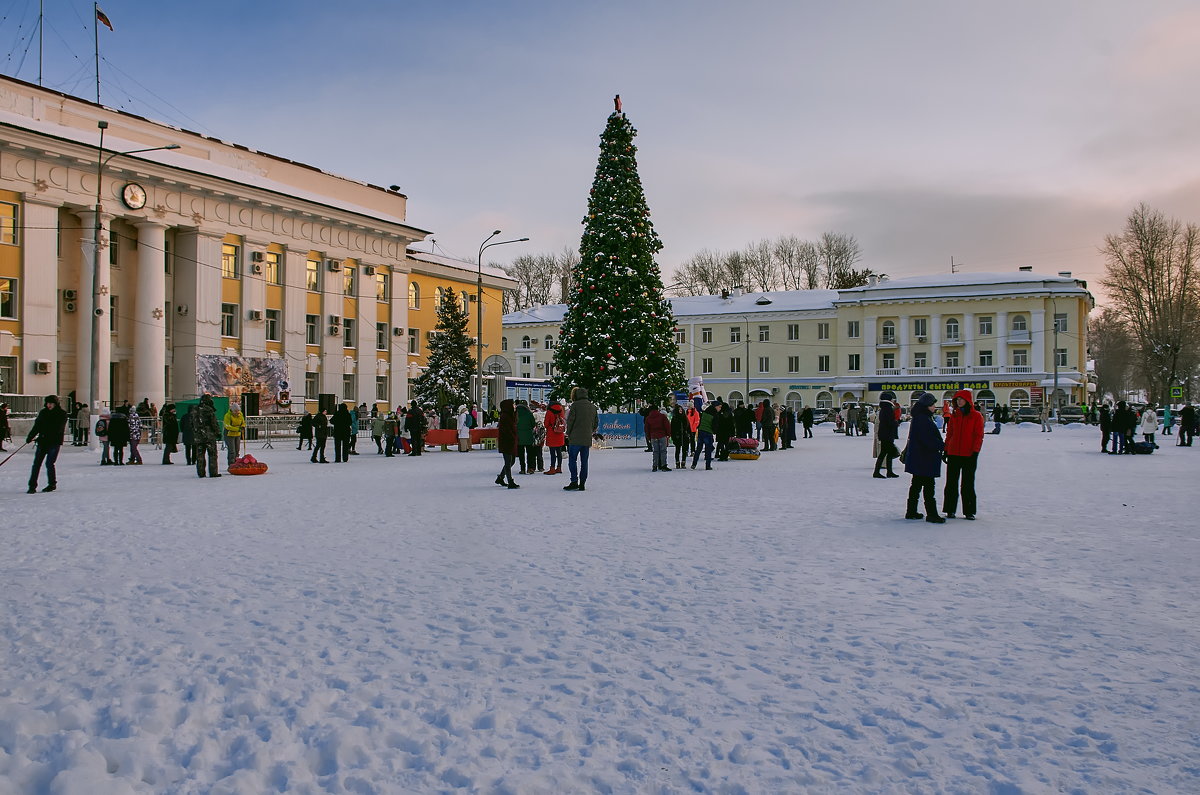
{"points": [[257, 256], [256, 314], [369, 270], [256, 267], [335, 331], [333, 265], [42, 366], [69, 306], [398, 332], [70, 295]]}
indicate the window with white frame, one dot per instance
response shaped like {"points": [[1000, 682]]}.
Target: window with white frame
{"points": [[113, 302], [735, 364], [680, 336], [952, 358], [274, 326], [414, 295], [273, 267], [349, 280], [764, 333], [1020, 357], [8, 374], [548, 342], [1060, 357], [920, 359], [381, 389], [985, 358], [793, 331], [414, 340], [920, 327], [764, 364], [1060, 322], [985, 326], [706, 366], [793, 364], [229, 320], [823, 364], [705, 336], [383, 286], [852, 329], [735, 333], [1019, 324], [854, 362], [231, 255], [312, 329], [9, 226], [526, 342], [889, 361], [349, 332], [349, 386], [952, 330], [381, 336], [8, 297], [504, 343], [822, 331], [887, 332], [549, 369], [312, 385], [312, 275]]}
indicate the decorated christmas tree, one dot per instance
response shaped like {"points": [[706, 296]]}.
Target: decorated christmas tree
{"points": [[617, 338], [448, 371]]}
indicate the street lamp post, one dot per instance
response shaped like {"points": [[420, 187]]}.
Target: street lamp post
{"points": [[479, 312], [100, 291], [746, 332], [1054, 353]]}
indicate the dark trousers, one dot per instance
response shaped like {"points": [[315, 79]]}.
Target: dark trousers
{"points": [[506, 472], [341, 449], [956, 466], [578, 461], [808, 432], [685, 447], [49, 454], [319, 450], [209, 450], [1104, 439], [704, 440], [921, 487], [887, 453], [556, 455], [418, 443]]}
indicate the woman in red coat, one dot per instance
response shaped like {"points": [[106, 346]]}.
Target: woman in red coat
{"points": [[964, 439], [506, 443], [556, 434]]}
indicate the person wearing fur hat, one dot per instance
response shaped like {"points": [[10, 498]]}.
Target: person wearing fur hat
{"points": [[464, 429], [923, 459], [48, 430], [964, 440]]}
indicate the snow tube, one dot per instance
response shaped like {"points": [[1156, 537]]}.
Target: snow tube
{"points": [[247, 465], [745, 444], [745, 455]]}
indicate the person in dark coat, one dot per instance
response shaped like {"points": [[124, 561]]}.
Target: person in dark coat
{"points": [[1105, 428], [118, 435], [305, 429], [321, 434], [416, 425], [525, 441], [5, 430], [342, 425], [1123, 422], [206, 431], [170, 432], [767, 423], [189, 441], [48, 430], [806, 419], [658, 430], [743, 421], [787, 427], [923, 459], [506, 443], [725, 428], [889, 432], [1187, 426], [681, 436]]}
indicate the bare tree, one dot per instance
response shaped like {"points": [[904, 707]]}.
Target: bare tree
{"points": [[796, 260], [537, 276], [788, 263], [1112, 348], [1152, 277], [837, 255], [568, 258], [703, 274], [762, 270]]}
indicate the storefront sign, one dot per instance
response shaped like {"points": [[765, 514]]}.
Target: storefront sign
{"points": [[928, 386], [621, 430], [1013, 384], [809, 386]]}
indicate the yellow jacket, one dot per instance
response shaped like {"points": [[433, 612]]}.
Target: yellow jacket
{"points": [[234, 423]]}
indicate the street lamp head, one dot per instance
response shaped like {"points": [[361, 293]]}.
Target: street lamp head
{"points": [[171, 146], [495, 233], [102, 124]]}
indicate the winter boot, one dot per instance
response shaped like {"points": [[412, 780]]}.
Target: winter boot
{"points": [[931, 513], [914, 494]]}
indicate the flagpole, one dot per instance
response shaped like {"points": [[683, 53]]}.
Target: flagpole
{"points": [[96, 32], [41, 25]]}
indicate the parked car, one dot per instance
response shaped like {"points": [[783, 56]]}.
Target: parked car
{"points": [[1069, 414], [820, 415], [1028, 414]]}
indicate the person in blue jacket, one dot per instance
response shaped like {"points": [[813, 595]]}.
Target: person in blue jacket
{"points": [[923, 459]]}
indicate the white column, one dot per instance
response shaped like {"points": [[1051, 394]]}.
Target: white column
{"points": [[149, 314], [1001, 329], [969, 332], [365, 351], [935, 341], [295, 297], [398, 383], [870, 360], [1037, 328], [39, 298], [95, 289], [903, 323], [254, 298], [333, 350]]}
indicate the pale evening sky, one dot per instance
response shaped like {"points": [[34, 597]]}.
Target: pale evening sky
{"points": [[1002, 134]]}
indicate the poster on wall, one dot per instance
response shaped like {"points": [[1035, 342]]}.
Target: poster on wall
{"points": [[234, 376]]}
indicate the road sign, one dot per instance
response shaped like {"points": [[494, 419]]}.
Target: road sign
{"points": [[1177, 392]]}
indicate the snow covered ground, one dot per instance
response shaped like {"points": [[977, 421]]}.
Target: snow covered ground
{"points": [[772, 626]]}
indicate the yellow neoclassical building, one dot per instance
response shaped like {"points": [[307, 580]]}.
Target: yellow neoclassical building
{"points": [[1007, 336], [207, 266]]}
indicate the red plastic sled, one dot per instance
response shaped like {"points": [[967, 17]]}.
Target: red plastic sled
{"points": [[247, 465]]}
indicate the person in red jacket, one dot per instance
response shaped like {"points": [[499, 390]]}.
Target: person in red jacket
{"points": [[556, 434], [964, 439], [658, 430]]}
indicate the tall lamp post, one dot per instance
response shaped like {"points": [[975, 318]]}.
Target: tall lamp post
{"points": [[1054, 353], [101, 290], [479, 311]]}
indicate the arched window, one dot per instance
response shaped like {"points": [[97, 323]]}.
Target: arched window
{"points": [[985, 398], [1018, 399], [948, 395], [440, 295], [414, 295], [887, 332], [1019, 323], [549, 342], [526, 343], [849, 397], [734, 397], [504, 343], [794, 401], [824, 400], [466, 299], [952, 330]]}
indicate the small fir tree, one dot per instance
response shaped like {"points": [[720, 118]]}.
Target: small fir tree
{"points": [[448, 371], [617, 338]]}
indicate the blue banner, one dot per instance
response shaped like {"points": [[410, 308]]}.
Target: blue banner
{"points": [[622, 430]]}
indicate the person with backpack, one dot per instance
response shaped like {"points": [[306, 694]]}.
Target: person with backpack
{"points": [[556, 434], [102, 437], [465, 423]]}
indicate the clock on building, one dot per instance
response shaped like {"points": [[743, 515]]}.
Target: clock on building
{"points": [[134, 196]]}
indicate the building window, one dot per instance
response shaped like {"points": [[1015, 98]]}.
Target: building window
{"points": [[889, 361], [230, 260], [822, 331], [414, 340], [952, 330], [920, 327], [764, 364], [312, 386], [920, 359], [414, 295], [229, 319], [793, 332], [439, 296], [952, 358], [273, 317], [350, 281], [1018, 323], [705, 336], [273, 270], [549, 369], [706, 366], [548, 343], [312, 275], [349, 333], [381, 389], [381, 334], [887, 333], [735, 333], [383, 287], [1020, 357], [8, 298], [349, 387], [680, 336], [764, 333], [166, 250], [312, 334], [985, 326], [8, 224], [1060, 357], [793, 364], [112, 313], [526, 343], [504, 343], [735, 364], [854, 362], [852, 329], [985, 358], [8, 373], [1060, 322], [822, 364]]}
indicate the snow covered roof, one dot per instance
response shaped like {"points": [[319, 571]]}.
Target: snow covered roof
{"points": [[457, 264], [701, 305]]}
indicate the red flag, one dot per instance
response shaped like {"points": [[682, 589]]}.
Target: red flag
{"points": [[103, 18]]}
